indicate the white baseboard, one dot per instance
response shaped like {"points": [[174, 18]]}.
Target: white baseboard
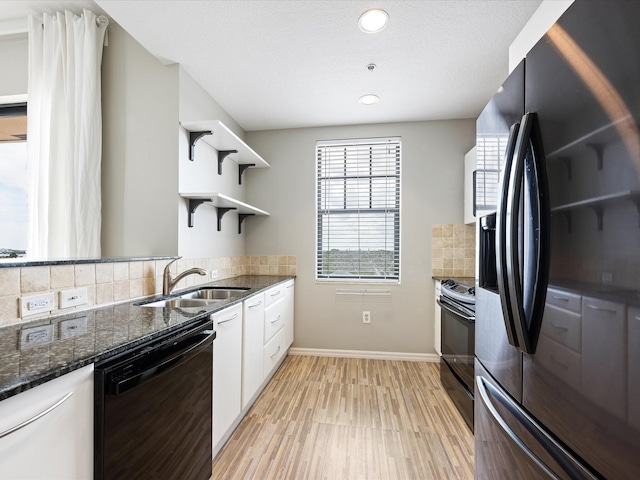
{"points": [[408, 357]]}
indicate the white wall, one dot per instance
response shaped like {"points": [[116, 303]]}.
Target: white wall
{"points": [[14, 51], [140, 150], [545, 15], [432, 192]]}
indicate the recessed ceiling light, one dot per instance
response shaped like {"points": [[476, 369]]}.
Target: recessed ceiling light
{"points": [[369, 99], [372, 21]]}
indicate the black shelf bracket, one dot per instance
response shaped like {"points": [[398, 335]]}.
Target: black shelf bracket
{"points": [[241, 217], [599, 149], [193, 138], [194, 203], [222, 154], [567, 163], [599, 214], [241, 169], [220, 213]]}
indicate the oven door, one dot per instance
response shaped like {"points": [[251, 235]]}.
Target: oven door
{"points": [[458, 340]]}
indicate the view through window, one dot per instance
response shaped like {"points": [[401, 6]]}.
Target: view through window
{"points": [[13, 180], [358, 209]]}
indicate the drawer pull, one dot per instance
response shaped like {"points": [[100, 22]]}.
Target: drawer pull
{"points": [[228, 319], [276, 320], [559, 327], [553, 359], [560, 298], [277, 351], [289, 286], [601, 309], [275, 294], [36, 417], [256, 304]]}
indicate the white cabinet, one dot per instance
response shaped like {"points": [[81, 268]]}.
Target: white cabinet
{"points": [[437, 320], [604, 343], [274, 350], [59, 443], [227, 373], [289, 290], [252, 343], [469, 186]]}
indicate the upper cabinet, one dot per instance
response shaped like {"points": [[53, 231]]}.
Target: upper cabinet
{"points": [[470, 186]]}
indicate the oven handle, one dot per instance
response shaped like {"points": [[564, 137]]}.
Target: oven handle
{"points": [[464, 316], [121, 386]]}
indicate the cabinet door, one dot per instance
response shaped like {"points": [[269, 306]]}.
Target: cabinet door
{"points": [[227, 371], [274, 350], [469, 186], [252, 345], [57, 445], [437, 332], [289, 290], [273, 319]]}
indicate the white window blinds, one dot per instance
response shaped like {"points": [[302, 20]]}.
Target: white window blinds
{"points": [[358, 218]]}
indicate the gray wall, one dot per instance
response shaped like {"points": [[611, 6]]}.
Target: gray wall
{"points": [[140, 150], [14, 50], [432, 192]]}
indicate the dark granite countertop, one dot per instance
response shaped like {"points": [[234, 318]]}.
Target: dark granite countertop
{"points": [[102, 332], [465, 280]]}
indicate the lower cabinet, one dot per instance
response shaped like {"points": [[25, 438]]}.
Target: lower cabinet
{"points": [[227, 372], [46, 432], [252, 341]]}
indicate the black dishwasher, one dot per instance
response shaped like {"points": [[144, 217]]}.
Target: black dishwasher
{"points": [[153, 408]]}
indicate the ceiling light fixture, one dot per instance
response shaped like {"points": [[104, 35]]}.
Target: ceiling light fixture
{"points": [[369, 99], [372, 21]]}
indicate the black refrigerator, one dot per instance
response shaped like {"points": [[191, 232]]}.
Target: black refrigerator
{"points": [[557, 372]]}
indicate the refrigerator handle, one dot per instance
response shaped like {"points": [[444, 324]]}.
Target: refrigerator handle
{"points": [[527, 306], [485, 389], [501, 232]]}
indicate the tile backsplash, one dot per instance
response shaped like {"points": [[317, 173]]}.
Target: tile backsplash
{"points": [[122, 281], [453, 250]]}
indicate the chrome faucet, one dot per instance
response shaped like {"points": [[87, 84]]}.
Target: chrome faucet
{"points": [[168, 283]]}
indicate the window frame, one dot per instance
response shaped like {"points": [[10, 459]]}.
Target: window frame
{"points": [[397, 192]]}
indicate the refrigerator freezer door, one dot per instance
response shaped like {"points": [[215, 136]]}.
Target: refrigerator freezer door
{"points": [[525, 449], [582, 82]]}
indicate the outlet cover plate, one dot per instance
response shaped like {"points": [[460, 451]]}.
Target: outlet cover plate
{"points": [[36, 304], [33, 336], [73, 298]]}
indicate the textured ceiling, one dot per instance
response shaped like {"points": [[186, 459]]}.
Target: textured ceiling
{"points": [[284, 63]]}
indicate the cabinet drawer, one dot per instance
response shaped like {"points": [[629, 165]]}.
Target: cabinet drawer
{"points": [[559, 360], [564, 300], [274, 294], [274, 320], [563, 326], [274, 350]]}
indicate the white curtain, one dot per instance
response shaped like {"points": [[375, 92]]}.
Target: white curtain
{"points": [[64, 135]]}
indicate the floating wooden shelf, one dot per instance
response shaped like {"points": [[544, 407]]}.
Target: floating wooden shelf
{"points": [[225, 142], [223, 204], [597, 204]]}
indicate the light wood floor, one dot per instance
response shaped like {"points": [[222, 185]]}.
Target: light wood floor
{"points": [[339, 418]]}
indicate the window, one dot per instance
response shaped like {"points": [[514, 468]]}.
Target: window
{"points": [[13, 180], [358, 202]]}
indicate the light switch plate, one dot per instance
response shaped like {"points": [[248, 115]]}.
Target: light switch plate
{"points": [[73, 298], [73, 328], [35, 304]]}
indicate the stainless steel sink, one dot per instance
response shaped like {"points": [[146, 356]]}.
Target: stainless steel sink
{"points": [[202, 297], [215, 293], [181, 303]]}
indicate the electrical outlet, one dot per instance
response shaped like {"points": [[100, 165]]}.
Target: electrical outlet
{"points": [[366, 317], [214, 274], [36, 304], [30, 337], [73, 298]]}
